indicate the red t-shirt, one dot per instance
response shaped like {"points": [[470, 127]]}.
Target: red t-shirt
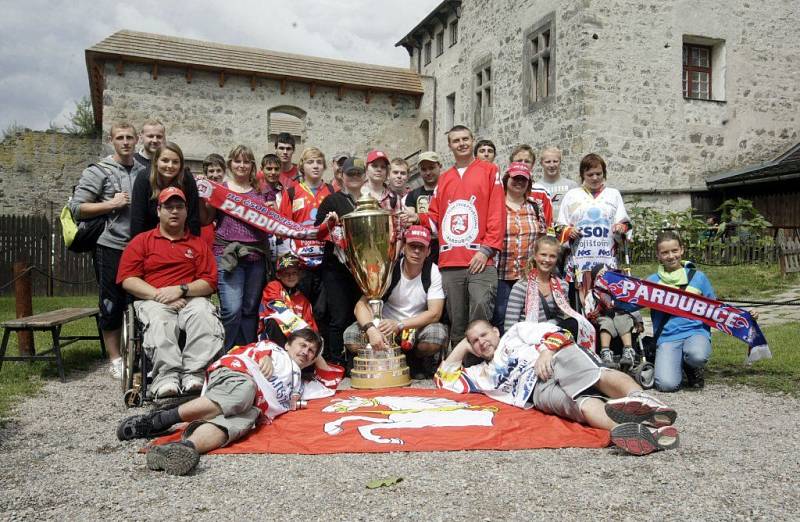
{"points": [[287, 178], [275, 294], [207, 233], [161, 262]]}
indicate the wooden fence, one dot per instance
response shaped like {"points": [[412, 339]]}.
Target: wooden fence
{"points": [[713, 254], [55, 270]]}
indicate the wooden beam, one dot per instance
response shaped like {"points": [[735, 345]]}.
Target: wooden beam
{"points": [[367, 96], [120, 68], [312, 89], [155, 71], [340, 93], [188, 75], [283, 86], [253, 83], [222, 78]]}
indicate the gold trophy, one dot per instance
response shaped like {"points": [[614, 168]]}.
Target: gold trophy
{"points": [[371, 254]]}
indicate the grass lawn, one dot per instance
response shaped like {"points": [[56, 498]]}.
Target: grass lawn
{"points": [[742, 281], [25, 378], [781, 373]]}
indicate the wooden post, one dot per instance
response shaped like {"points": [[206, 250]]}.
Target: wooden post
{"points": [[24, 304]]}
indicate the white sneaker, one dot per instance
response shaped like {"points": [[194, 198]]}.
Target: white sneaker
{"points": [[192, 383], [167, 389], [115, 368]]}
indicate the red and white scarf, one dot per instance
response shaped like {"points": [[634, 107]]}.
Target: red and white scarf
{"points": [[254, 213], [586, 332]]}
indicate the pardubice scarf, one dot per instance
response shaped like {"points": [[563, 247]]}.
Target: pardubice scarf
{"points": [[716, 314], [254, 213], [586, 332]]}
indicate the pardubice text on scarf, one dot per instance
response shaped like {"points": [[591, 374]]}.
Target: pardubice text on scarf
{"points": [[254, 213], [716, 314]]}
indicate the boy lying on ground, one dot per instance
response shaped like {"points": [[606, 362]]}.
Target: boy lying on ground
{"points": [[537, 365], [250, 384]]}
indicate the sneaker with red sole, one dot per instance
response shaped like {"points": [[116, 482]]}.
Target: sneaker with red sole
{"points": [[640, 407], [639, 439]]}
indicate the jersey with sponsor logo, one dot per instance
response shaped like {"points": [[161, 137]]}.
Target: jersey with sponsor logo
{"points": [[594, 216], [299, 202], [467, 212]]}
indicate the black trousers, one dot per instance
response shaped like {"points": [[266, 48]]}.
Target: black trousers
{"points": [[341, 295]]}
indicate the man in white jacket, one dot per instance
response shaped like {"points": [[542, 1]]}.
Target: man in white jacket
{"points": [[537, 365]]}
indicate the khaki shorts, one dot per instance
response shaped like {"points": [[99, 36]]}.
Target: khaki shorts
{"points": [[234, 392], [574, 371], [617, 326]]}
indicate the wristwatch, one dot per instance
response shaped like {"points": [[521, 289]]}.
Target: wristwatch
{"points": [[184, 290], [367, 326]]}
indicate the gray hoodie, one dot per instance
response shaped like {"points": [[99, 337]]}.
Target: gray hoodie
{"points": [[98, 183]]}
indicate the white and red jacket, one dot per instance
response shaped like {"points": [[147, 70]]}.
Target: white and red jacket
{"points": [[274, 394], [468, 212], [509, 377]]}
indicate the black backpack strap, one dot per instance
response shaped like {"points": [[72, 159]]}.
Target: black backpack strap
{"points": [[426, 274], [395, 279], [290, 193], [657, 333]]}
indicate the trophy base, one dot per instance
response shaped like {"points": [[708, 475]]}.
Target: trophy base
{"points": [[374, 370]]}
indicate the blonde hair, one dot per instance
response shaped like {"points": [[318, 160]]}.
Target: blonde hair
{"points": [[152, 122], [118, 125], [156, 184], [552, 149], [400, 161], [310, 153], [247, 153], [530, 265]]}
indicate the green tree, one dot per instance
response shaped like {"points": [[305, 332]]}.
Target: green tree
{"points": [[81, 122]]}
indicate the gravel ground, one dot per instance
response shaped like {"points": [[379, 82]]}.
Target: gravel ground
{"points": [[60, 459]]}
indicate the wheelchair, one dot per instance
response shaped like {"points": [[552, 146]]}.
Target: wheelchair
{"points": [[136, 365], [643, 370]]}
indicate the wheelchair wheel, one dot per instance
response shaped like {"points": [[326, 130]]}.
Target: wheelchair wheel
{"points": [[133, 398], [129, 349], [645, 375]]}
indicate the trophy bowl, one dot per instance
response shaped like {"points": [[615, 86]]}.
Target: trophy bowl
{"points": [[371, 253]]}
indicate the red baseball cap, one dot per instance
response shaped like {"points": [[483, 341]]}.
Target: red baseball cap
{"points": [[519, 168], [170, 192], [418, 234], [376, 155]]}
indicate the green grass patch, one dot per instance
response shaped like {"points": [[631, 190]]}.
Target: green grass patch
{"points": [[24, 378], [781, 373], [729, 282]]}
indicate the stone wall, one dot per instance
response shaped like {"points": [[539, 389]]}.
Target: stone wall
{"points": [[203, 117], [618, 87], [39, 169]]}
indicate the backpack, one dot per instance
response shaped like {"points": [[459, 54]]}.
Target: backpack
{"points": [[82, 235]]}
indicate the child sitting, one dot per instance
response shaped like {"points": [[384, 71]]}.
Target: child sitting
{"points": [[284, 309], [614, 320]]}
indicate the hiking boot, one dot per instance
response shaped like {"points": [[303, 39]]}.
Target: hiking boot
{"points": [[695, 377], [639, 407], [137, 427], [174, 458], [638, 439], [628, 358], [607, 358]]}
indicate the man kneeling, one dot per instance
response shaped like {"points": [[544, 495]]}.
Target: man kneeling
{"points": [[538, 365], [248, 385]]}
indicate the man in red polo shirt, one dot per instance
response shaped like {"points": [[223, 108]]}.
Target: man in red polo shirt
{"points": [[468, 212], [171, 272]]}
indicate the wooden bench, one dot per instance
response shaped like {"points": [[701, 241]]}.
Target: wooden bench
{"points": [[52, 322]]}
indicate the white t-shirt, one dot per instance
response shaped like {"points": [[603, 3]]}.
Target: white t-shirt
{"points": [[594, 217], [557, 190], [409, 298]]}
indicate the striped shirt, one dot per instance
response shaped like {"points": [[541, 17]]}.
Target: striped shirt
{"points": [[515, 309], [523, 226]]}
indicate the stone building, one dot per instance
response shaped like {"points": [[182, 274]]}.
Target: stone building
{"points": [[668, 92], [212, 96]]}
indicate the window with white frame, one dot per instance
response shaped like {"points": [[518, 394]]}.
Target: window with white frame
{"points": [[482, 94]]}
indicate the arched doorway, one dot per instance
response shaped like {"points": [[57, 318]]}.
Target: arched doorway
{"points": [[286, 118], [425, 134]]}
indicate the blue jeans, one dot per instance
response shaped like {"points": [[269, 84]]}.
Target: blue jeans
{"points": [[501, 301], [239, 297], [670, 356]]}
